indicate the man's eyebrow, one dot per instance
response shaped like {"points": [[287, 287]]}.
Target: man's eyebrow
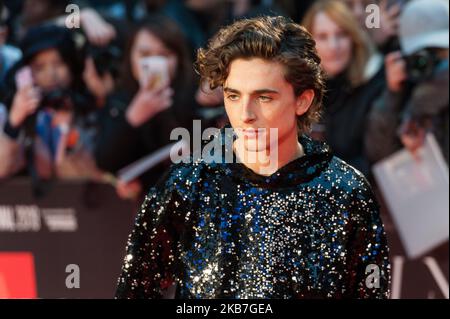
{"points": [[260, 91], [265, 91], [230, 90]]}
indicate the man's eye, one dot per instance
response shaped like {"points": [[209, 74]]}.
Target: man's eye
{"points": [[233, 97], [263, 98]]}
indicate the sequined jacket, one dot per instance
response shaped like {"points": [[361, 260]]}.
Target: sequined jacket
{"points": [[215, 230]]}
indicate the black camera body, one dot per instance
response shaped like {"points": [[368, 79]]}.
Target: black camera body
{"points": [[106, 59], [420, 66], [58, 99]]}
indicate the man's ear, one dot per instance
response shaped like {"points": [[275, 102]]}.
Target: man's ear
{"points": [[304, 101]]}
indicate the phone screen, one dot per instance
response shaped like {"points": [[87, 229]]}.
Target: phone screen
{"points": [[154, 72], [24, 78]]}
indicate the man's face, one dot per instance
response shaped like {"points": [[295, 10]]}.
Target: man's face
{"points": [[257, 96]]}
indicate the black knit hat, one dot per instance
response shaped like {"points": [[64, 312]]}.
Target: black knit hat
{"points": [[45, 37]]}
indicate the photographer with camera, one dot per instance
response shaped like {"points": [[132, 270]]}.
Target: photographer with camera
{"points": [[47, 128], [416, 100]]}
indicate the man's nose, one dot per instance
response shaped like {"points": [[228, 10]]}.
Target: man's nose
{"points": [[247, 113]]}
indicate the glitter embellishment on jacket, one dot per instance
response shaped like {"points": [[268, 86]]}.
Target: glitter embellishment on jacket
{"points": [[310, 230]]}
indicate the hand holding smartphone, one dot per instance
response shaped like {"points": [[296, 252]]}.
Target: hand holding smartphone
{"points": [[24, 78], [154, 73], [154, 95], [27, 97]]}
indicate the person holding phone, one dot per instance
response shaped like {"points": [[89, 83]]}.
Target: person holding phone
{"points": [[47, 127], [154, 95]]}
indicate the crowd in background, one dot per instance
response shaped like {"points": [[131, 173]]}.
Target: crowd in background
{"points": [[72, 105]]}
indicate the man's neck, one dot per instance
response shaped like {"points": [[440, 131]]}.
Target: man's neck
{"points": [[289, 149]]}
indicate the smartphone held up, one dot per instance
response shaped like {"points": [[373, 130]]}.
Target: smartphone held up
{"points": [[154, 72]]}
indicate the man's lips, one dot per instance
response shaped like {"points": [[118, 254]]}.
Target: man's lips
{"points": [[252, 132]]}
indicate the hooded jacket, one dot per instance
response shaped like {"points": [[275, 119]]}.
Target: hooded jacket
{"points": [[219, 230]]}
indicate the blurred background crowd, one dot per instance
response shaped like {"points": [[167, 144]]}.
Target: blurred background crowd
{"points": [[72, 105]]}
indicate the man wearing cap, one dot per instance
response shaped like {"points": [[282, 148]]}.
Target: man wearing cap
{"points": [[417, 100]]}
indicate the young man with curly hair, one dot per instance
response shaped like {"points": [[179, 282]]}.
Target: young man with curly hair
{"points": [[306, 227]]}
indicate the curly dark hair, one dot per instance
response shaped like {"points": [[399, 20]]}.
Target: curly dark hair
{"points": [[271, 38]]}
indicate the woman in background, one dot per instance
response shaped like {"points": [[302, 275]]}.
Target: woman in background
{"points": [[355, 78]]}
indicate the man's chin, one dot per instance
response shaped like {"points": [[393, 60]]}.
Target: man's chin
{"points": [[252, 150], [253, 145]]}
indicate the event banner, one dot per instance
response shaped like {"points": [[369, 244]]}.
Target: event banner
{"points": [[69, 243]]}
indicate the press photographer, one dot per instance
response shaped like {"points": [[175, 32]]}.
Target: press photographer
{"points": [[417, 100]]}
